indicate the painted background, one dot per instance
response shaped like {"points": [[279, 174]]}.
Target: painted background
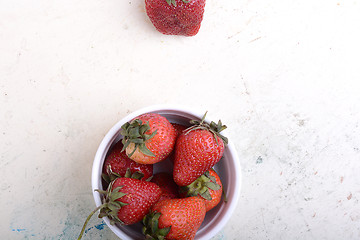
{"points": [[282, 75]]}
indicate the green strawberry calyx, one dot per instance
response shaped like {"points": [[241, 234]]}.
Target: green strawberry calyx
{"points": [[110, 206], [135, 132], [214, 128], [201, 186], [111, 175], [151, 228], [173, 2]]}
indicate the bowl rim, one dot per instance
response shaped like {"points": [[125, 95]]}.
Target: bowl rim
{"points": [[111, 136]]}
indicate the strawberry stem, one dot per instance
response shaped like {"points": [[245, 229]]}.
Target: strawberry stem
{"points": [[151, 228], [110, 206], [201, 186], [136, 133], [214, 128], [88, 218]]}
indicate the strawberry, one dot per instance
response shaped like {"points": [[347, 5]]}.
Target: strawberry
{"points": [[179, 128], [174, 219], [176, 17], [197, 150], [126, 201], [208, 186], [167, 185], [149, 138], [118, 164]]}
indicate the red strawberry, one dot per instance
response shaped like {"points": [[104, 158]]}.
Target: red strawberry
{"points": [[197, 150], [118, 164], [126, 201], [168, 187], [175, 219], [179, 128], [176, 17], [208, 186], [149, 138]]}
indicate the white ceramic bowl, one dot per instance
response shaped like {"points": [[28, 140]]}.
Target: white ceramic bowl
{"points": [[228, 169]]}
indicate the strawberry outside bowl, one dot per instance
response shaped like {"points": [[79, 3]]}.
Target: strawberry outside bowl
{"points": [[228, 168]]}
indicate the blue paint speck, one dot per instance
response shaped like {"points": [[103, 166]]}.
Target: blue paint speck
{"points": [[18, 229], [100, 226]]}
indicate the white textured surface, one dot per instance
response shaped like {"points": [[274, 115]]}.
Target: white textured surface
{"points": [[283, 75]]}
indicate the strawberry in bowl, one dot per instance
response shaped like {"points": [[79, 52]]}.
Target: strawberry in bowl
{"points": [[149, 138]]}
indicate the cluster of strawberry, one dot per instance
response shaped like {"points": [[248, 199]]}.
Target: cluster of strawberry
{"points": [[170, 206]]}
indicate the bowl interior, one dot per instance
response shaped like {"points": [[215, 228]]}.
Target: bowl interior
{"points": [[227, 168]]}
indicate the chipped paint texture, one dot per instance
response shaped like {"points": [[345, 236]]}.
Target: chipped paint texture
{"points": [[282, 75]]}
